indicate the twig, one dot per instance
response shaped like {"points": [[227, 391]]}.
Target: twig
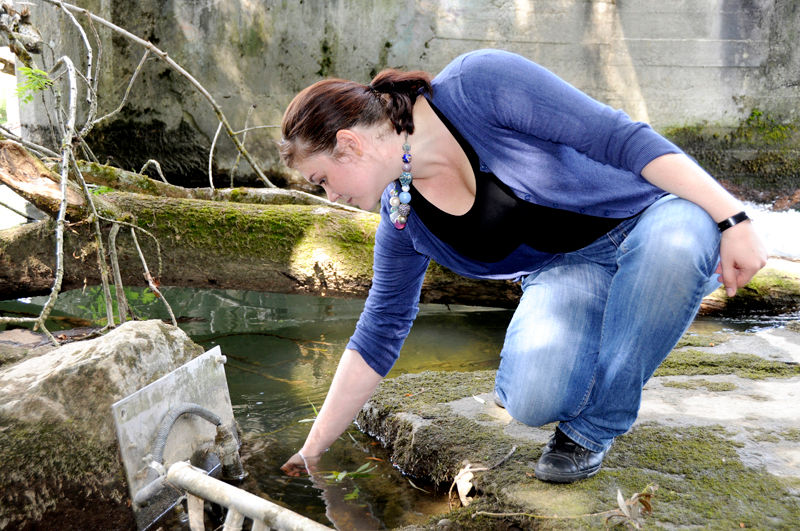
{"points": [[244, 139], [30, 145], [418, 488], [149, 278], [127, 90], [629, 511], [101, 253], [544, 516], [246, 129], [158, 168], [178, 68], [122, 301], [89, 99], [506, 458], [135, 227], [66, 146], [211, 157], [99, 54]]}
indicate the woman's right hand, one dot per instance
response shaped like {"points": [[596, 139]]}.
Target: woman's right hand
{"points": [[298, 464]]}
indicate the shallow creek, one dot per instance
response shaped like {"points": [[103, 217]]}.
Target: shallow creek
{"points": [[282, 352]]}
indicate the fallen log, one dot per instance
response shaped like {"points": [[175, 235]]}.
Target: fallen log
{"points": [[289, 248], [126, 181], [284, 249]]}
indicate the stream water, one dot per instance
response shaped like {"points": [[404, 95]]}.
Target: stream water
{"points": [[282, 352]]}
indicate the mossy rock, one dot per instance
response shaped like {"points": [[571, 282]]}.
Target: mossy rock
{"points": [[56, 472], [698, 478]]}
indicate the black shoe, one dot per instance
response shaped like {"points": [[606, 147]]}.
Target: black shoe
{"points": [[564, 461]]}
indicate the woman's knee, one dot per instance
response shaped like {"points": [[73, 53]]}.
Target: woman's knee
{"points": [[553, 389], [678, 236]]}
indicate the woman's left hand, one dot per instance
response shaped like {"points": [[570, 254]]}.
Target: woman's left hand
{"points": [[742, 254]]}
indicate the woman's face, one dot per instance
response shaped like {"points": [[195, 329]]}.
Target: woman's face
{"points": [[356, 175]]}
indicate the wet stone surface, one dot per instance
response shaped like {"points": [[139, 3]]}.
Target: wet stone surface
{"points": [[718, 438]]}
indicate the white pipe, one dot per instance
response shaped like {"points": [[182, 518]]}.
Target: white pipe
{"points": [[196, 482]]}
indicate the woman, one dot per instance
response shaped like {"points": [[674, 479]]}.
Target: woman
{"points": [[499, 169]]}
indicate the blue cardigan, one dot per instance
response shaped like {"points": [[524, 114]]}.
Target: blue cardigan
{"points": [[550, 143]]}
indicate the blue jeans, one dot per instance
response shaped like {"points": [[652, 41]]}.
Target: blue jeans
{"points": [[593, 325]]}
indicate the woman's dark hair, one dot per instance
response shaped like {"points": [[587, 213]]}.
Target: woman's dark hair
{"points": [[316, 114]]}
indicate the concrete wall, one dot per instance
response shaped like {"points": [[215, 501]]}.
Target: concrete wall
{"points": [[670, 62]]}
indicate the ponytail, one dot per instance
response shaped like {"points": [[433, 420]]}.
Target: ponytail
{"points": [[402, 89], [317, 113]]}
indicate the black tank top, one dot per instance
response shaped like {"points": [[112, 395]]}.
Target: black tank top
{"points": [[498, 221]]}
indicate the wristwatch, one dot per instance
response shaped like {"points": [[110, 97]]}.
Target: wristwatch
{"points": [[731, 221]]}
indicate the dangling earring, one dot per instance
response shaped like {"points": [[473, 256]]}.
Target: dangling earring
{"points": [[399, 202]]}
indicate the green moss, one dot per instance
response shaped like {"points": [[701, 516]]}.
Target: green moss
{"points": [[702, 340], [701, 481], [792, 434], [250, 40], [326, 59], [693, 362], [758, 156], [42, 464], [271, 232], [762, 128], [236, 195], [766, 437], [412, 391], [696, 384]]}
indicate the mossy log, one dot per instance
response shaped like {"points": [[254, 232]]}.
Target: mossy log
{"points": [[277, 248], [126, 181], [287, 248]]}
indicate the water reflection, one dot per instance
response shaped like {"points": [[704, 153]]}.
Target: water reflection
{"points": [[282, 353]]}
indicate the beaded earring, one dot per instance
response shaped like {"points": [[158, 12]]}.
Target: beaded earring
{"points": [[399, 202]]}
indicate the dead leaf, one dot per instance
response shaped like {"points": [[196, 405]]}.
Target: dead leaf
{"points": [[464, 486]]}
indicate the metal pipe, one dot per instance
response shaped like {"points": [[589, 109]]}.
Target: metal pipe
{"points": [[196, 482], [169, 419]]}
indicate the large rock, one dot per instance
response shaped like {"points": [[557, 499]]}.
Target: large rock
{"points": [[57, 437]]}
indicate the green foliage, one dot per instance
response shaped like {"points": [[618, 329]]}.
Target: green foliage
{"points": [[35, 81], [353, 495], [100, 190], [361, 472]]}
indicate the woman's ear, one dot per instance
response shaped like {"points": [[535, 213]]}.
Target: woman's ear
{"points": [[348, 144]]}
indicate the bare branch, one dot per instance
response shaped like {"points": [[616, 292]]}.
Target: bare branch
{"points": [[99, 53], [30, 145], [178, 68], [66, 146], [127, 90], [244, 139], [246, 129], [211, 156], [148, 233], [149, 278], [89, 99], [101, 254], [155, 163], [122, 301]]}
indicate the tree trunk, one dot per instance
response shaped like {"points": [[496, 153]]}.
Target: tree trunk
{"points": [[285, 249]]}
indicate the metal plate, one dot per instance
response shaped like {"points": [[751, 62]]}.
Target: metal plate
{"points": [[138, 416]]}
